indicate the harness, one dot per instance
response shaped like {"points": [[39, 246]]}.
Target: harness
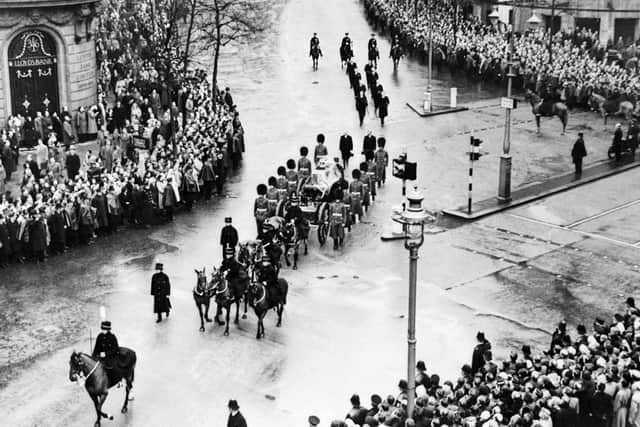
{"points": [[226, 286], [264, 295]]}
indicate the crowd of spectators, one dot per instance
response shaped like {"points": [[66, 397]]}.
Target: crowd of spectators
{"points": [[586, 379], [164, 139], [571, 67]]}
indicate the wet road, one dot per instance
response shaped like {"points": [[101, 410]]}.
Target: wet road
{"points": [[344, 329]]}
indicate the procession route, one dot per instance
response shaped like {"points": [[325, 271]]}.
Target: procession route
{"points": [[603, 213]]}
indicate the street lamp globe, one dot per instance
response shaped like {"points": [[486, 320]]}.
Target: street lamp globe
{"points": [[534, 22], [494, 17], [413, 219]]}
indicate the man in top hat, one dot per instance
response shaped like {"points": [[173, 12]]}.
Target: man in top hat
{"points": [[236, 419], [160, 289], [229, 235], [106, 347]]}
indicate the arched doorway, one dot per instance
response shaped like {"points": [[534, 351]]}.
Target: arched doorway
{"points": [[33, 73]]}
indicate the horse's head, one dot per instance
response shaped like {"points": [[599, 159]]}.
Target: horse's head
{"points": [[75, 366], [202, 279]]}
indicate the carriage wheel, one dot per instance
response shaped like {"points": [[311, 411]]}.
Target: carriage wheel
{"points": [[323, 223]]}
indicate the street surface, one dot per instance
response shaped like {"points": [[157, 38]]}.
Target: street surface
{"points": [[512, 275]]}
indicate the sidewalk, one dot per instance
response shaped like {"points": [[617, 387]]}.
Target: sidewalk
{"points": [[540, 190]]}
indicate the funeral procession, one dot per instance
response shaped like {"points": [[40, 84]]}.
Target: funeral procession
{"points": [[319, 213]]}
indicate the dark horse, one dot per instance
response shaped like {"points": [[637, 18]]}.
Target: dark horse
{"points": [[264, 299], [396, 54], [346, 53], [202, 293], [249, 255], [98, 378], [292, 239], [229, 292], [315, 54], [556, 109]]}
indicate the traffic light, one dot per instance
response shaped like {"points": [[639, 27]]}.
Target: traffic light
{"points": [[399, 167], [475, 154], [410, 169]]}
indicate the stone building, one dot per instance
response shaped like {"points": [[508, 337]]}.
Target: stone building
{"points": [[47, 56], [611, 18]]}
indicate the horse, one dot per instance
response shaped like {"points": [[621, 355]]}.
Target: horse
{"points": [[202, 293], [263, 299], [611, 107], [229, 292], [396, 54], [98, 379], [557, 109], [315, 54], [292, 240], [346, 53], [373, 56]]}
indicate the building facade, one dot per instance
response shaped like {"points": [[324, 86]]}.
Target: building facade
{"points": [[612, 19], [47, 56]]}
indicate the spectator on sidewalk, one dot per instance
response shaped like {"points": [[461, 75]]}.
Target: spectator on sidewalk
{"points": [[578, 153], [72, 163]]}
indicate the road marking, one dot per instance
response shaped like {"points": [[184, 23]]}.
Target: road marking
{"points": [[603, 213], [584, 233]]}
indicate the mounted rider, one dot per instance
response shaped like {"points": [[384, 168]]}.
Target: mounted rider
{"points": [[268, 275], [106, 349], [314, 42], [294, 214], [230, 265]]}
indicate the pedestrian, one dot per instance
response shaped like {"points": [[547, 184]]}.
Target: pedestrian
{"points": [[383, 107], [617, 142], [8, 160], [477, 360], [260, 208], [72, 163], [68, 137], [320, 150], [228, 235], [346, 148], [236, 419], [368, 143], [160, 289], [361, 106], [578, 152]]}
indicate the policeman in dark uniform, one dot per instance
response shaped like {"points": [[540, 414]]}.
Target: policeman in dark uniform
{"points": [[230, 265], [267, 274], [315, 41], [346, 40], [229, 235], [160, 289], [373, 43], [106, 348]]}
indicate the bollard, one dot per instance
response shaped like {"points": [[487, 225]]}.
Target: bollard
{"points": [[427, 102], [453, 103]]}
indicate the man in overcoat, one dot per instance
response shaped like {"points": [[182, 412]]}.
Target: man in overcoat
{"points": [[229, 235], [578, 152], [160, 289]]}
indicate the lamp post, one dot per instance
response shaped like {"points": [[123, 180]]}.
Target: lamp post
{"points": [[412, 220], [504, 183], [428, 95]]}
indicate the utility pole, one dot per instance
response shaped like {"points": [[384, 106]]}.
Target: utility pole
{"points": [[428, 94], [504, 184], [551, 30]]}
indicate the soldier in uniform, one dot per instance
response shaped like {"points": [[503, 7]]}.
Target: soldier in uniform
{"points": [[294, 213], [366, 186], [268, 275], [382, 161], [356, 190], [304, 164], [292, 177], [336, 220], [272, 196], [346, 40], [320, 150], [230, 265], [229, 235], [371, 172], [106, 348], [260, 208], [346, 205], [160, 289], [282, 184]]}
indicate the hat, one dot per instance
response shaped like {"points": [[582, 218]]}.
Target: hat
{"points": [[480, 335], [313, 420], [420, 365], [228, 220], [159, 266], [105, 325], [376, 399], [233, 405]]}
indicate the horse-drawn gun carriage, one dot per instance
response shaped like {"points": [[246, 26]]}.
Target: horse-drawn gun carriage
{"points": [[314, 192]]}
